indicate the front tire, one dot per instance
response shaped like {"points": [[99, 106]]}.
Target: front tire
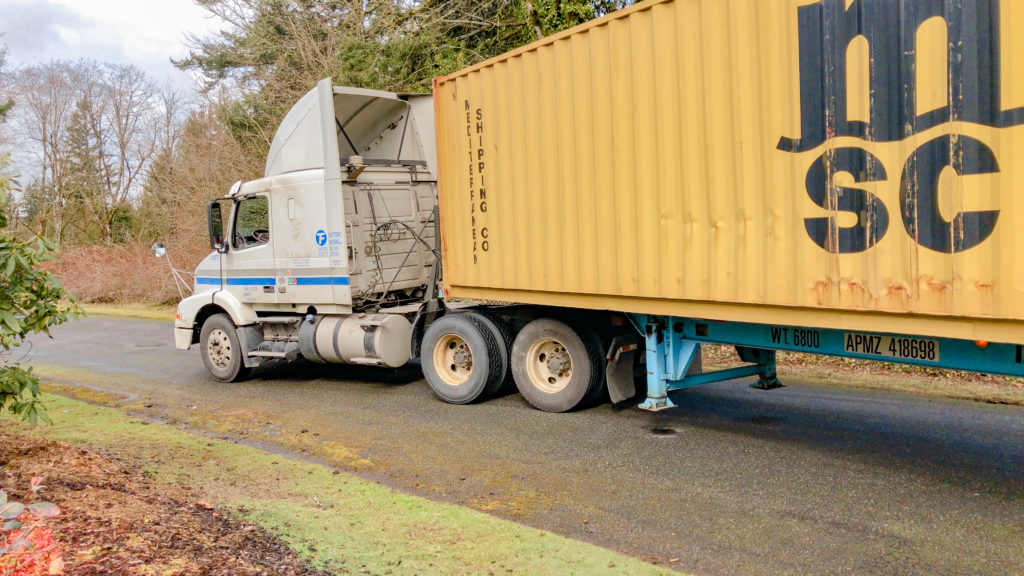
{"points": [[555, 369], [221, 349]]}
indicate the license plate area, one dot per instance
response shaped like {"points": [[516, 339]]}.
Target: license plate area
{"points": [[895, 347]]}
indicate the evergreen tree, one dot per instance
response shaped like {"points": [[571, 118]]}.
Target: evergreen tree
{"points": [[84, 174], [276, 50]]}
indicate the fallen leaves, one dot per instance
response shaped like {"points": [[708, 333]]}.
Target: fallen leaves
{"points": [[115, 520]]}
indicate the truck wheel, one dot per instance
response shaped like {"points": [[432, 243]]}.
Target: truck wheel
{"points": [[555, 369], [503, 383], [222, 352], [461, 358]]}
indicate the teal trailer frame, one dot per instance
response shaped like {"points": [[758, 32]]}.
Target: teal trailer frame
{"points": [[672, 344]]}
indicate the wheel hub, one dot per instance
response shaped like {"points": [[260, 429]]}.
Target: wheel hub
{"points": [[558, 363], [453, 360], [218, 348], [462, 358]]}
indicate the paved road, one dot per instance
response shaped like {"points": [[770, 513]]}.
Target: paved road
{"points": [[805, 479]]}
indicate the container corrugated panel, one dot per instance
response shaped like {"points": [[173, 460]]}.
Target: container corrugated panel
{"points": [[849, 164]]}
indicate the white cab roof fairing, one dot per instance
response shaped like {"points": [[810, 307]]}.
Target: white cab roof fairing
{"points": [[382, 127]]}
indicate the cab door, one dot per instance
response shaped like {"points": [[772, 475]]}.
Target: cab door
{"points": [[250, 270]]}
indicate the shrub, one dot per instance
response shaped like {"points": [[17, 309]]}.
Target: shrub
{"points": [[124, 274], [31, 300]]}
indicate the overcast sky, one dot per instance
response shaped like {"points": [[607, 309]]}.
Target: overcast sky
{"points": [[146, 33]]}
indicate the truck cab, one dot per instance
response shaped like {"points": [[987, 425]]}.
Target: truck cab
{"points": [[338, 236]]}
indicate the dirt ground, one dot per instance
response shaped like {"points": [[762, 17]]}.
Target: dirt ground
{"points": [[117, 521]]}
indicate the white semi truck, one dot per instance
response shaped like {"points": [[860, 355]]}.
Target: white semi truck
{"points": [[333, 256]]}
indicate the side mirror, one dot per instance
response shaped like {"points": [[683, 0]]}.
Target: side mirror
{"points": [[216, 225], [160, 251]]}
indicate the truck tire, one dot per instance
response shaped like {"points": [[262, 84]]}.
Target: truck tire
{"points": [[555, 369], [503, 334], [461, 358], [592, 340], [221, 349]]}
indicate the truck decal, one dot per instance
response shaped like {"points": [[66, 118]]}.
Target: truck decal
{"points": [[826, 31], [321, 244], [335, 241], [477, 181]]}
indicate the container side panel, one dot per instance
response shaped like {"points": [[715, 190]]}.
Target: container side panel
{"points": [[667, 164], [579, 162], [694, 152], [513, 203], [835, 157], [1009, 284], [646, 203], [623, 108], [505, 171], [608, 251], [567, 146]]}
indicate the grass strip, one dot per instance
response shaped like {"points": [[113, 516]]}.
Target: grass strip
{"points": [[143, 311], [341, 522]]}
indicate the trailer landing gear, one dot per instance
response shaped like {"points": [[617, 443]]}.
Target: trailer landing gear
{"points": [[671, 349], [765, 360]]}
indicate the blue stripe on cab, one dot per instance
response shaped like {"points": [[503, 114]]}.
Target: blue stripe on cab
{"points": [[298, 281]]}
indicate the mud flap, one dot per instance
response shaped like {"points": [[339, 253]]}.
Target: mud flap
{"points": [[250, 337], [619, 368]]}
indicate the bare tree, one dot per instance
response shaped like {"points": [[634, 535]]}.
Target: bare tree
{"points": [[47, 96], [129, 130], [5, 92], [8, 205], [203, 164], [95, 129], [173, 106]]}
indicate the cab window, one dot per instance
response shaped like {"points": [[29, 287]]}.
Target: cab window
{"points": [[252, 223]]}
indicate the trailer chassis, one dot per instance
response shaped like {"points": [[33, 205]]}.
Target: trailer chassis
{"points": [[672, 344]]}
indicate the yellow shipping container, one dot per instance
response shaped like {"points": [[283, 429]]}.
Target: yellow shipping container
{"points": [[848, 164]]}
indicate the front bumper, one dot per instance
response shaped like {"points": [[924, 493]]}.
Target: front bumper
{"points": [[183, 337]]}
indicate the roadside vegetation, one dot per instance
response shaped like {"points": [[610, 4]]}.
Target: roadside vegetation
{"points": [[31, 301], [159, 500]]}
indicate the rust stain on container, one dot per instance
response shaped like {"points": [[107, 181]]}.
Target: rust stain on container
{"points": [[833, 163]]}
